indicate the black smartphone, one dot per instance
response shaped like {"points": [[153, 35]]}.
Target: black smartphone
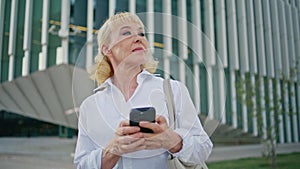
{"points": [[142, 114]]}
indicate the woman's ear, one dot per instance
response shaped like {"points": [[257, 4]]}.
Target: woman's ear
{"points": [[105, 50]]}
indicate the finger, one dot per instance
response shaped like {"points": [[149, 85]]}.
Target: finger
{"points": [[161, 120], [149, 145], [124, 123], [128, 139], [135, 146], [153, 126], [149, 135], [127, 130]]}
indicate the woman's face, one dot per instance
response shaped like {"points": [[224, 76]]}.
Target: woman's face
{"points": [[128, 45]]}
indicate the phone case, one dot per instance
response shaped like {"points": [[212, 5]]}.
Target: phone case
{"points": [[142, 114]]}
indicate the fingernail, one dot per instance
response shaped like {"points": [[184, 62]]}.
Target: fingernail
{"points": [[144, 122]]}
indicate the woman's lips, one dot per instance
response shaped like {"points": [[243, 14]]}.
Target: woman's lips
{"points": [[138, 49]]}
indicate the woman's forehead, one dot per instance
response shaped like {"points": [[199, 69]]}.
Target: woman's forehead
{"points": [[128, 25]]}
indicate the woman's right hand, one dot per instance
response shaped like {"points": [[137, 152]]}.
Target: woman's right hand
{"points": [[127, 139]]}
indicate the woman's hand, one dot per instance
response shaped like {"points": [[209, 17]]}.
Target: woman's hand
{"points": [[162, 136], [127, 139]]}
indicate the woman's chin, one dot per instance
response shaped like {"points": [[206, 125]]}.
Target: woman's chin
{"points": [[136, 58]]}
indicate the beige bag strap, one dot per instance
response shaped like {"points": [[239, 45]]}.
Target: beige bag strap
{"points": [[171, 111], [170, 102]]}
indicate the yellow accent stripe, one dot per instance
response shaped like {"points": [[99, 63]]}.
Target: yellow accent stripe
{"points": [[82, 28]]}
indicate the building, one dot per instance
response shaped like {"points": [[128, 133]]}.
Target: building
{"points": [[239, 58]]}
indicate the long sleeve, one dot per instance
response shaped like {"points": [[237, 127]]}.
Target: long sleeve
{"points": [[87, 155], [197, 145]]}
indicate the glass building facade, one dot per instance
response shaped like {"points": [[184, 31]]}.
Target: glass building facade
{"points": [[239, 58]]}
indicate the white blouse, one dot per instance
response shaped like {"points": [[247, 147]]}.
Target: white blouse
{"points": [[101, 113]]}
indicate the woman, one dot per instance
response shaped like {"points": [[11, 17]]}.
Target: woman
{"points": [[123, 70]]}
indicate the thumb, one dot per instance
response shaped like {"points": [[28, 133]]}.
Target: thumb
{"points": [[161, 120]]}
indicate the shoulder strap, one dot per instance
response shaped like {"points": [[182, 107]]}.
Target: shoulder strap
{"points": [[170, 102]]}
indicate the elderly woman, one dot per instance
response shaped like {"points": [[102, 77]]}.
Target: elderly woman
{"points": [[124, 70]]}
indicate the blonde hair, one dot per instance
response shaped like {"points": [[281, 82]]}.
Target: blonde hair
{"points": [[102, 69]]}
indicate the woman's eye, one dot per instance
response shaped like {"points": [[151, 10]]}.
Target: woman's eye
{"points": [[127, 33], [141, 34]]}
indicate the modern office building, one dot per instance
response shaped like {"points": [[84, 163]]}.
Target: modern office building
{"points": [[239, 58]]}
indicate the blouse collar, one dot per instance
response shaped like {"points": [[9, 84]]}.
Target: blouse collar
{"points": [[108, 82]]}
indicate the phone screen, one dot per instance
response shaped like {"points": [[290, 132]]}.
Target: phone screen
{"points": [[142, 114]]}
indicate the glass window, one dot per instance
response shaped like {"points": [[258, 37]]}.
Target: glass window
{"points": [[122, 6], [54, 41], [36, 35], [5, 58]]}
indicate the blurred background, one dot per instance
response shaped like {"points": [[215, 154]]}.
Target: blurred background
{"points": [[238, 58]]}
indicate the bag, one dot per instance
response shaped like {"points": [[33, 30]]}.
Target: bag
{"points": [[174, 162]]}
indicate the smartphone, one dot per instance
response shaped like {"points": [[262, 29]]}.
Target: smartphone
{"points": [[142, 114]]}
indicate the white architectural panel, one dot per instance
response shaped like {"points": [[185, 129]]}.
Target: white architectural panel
{"points": [[244, 106], [183, 41], [44, 35], [197, 99], [279, 109], [268, 39], [221, 59], [287, 113], [276, 39], [243, 54], [150, 22], [182, 28], [27, 37], [20, 99], [290, 39], [294, 113], [12, 38], [197, 34], [296, 37], [167, 34], [7, 100], [221, 33], [132, 6], [271, 110], [232, 35], [233, 97], [64, 30], [254, 117], [262, 101], [261, 56], [112, 7], [242, 36], [89, 35], [209, 40], [210, 92], [35, 100], [47, 95], [251, 37], [197, 49], [283, 38]]}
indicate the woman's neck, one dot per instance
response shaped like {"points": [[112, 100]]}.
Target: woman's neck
{"points": [[126, 80]]}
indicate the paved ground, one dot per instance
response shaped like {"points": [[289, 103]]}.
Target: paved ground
{"points": [[245, 151], [36, 153], [56, 153]]}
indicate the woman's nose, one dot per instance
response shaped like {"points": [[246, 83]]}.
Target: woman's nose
{"points": [[137, 38]]}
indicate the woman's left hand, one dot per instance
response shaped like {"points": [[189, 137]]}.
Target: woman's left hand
{"points": [[162, 136]]}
